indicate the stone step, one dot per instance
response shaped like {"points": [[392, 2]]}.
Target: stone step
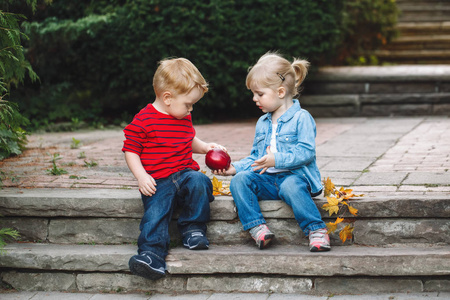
{"points": [[419, 55], [279, 269], [423, 28], [375, 91], [431, 42], [112, 217]]}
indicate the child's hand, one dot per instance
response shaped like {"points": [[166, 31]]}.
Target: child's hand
{"points": [[214, 145], [147, 185], [264, 162], [231, 171]]}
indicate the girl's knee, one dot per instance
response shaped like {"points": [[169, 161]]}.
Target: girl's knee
{"points": [[241, 178]]}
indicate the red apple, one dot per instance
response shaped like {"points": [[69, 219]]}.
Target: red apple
{"points": [[217, 159]]}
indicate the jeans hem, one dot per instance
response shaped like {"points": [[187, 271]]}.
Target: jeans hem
{"points": [[307, 231], [252, 224]]}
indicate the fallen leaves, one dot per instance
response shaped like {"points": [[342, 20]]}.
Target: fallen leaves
{"points": [[219, 188], [338, 202]]}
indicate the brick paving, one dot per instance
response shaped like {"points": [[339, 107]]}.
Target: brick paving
{"points": [[373, 155]]}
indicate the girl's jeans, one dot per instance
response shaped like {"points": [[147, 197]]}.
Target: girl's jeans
{"points": [[247, 187], [189, 189]]}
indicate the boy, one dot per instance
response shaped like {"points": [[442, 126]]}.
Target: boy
{"points": [[158, 150]]}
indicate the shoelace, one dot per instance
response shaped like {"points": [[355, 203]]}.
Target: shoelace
{"points": [[259, 231], [317, 235]]}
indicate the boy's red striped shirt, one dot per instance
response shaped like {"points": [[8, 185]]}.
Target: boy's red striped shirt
{"points": [[163, 142]]}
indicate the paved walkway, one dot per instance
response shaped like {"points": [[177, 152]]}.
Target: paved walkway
{"points": [[372, 155]]}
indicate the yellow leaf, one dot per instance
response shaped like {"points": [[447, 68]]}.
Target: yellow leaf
{"points": [[346, 233], [218, 189], [217, 186], [329, 187], [332, 206], [352, 210], [332, 227]]}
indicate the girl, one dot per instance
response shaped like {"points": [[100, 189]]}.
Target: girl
{"points": [[282, 162]]}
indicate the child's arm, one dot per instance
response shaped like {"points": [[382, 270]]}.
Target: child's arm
{"points": [[200, 147], [147, 184]]}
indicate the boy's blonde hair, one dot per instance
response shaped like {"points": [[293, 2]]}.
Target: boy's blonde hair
{"points": [[273, 71], [179, 76]]}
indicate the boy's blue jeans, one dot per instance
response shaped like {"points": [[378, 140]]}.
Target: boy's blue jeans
{"points": [[247, 187], [189, 189]]}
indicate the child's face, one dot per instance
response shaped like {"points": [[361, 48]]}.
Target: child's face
{"points": [[181, 106], [266, 99]]}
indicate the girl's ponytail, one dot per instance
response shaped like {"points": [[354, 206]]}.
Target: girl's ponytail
{"points": [[300, 67]]}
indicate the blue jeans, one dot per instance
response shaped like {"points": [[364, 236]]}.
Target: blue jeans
{"points": [[189, 189], [247, 187]]}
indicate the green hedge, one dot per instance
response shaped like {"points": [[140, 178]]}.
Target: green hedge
{"points": [[97, 64]]}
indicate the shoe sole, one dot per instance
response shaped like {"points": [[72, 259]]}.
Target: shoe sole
{"points": [[141, 268], [199, 246], [266, 242], [320, 249]]}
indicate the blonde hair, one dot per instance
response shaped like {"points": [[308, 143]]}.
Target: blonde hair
{"points": [[273, 71], [179, 76]]}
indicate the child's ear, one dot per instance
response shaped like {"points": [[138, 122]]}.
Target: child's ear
{"points": [[167, 98], [281, 92]]}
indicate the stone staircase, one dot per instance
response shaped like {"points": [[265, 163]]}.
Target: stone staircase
{"points": [[80, 240], [407, 90], [424, 38]]}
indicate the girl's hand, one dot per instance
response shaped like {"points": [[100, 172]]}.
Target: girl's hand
{"points": [[231, 171], [147, 185], [264, 162]]}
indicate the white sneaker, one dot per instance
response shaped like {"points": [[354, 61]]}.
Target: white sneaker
{"points": [[319, 240]]}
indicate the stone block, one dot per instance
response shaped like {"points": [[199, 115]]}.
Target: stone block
{"points": [[88, 258], [30, 229], [99, 230], [442, 109], [402, 87], [389, 231], [330, 100], [251, 284], [342, 285], [333, 88], [71, 202], [437, 285], [444, 87], [35, 281], [298, 261], [332, 111], [100, 282]]}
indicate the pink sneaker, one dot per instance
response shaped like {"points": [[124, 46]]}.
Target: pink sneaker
{"points": [[319, 240], [262, 235]]}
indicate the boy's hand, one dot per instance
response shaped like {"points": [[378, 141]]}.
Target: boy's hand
{"points": [[214, 145], [264, 162], [231, 171], [147, 185]]}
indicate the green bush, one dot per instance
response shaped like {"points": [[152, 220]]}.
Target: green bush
{"points": [[103, 63], [366, 26], [13, 68], [12, 135], [96, 64]]}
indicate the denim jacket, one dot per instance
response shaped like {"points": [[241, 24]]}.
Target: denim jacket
{"points": [[296, 133]]}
